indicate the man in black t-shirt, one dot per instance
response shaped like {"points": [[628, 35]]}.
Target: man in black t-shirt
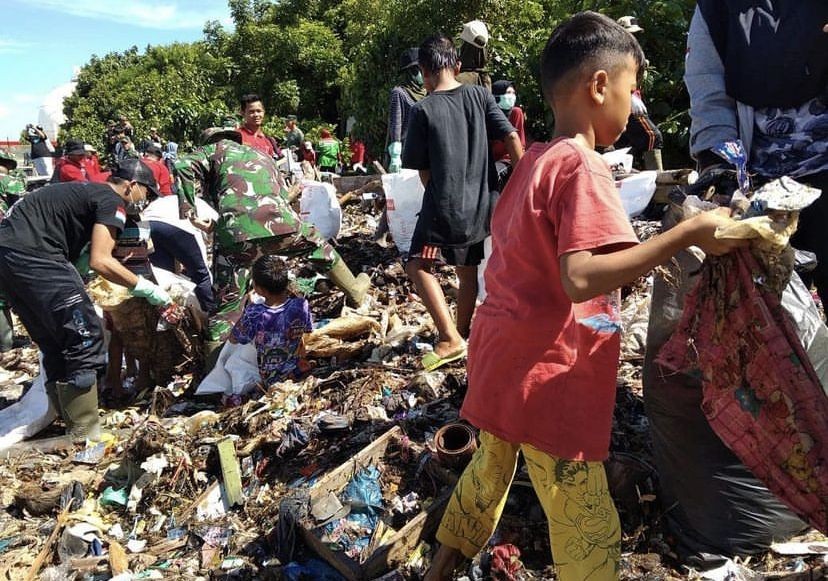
{"points": [[42, 235], [448, 142]]}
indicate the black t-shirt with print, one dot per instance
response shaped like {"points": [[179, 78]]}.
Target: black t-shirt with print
{"points": [[57, 220], [449, 134]]}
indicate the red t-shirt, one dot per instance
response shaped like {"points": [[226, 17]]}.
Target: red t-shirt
{"points": [[541, 369], [257, 140], [517, 119], [357, 152], [162, 175]]}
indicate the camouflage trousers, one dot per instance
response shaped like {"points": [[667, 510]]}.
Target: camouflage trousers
{"points": [[232, 271]]}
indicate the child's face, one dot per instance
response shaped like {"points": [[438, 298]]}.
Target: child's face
{"points": [[616, 107]]}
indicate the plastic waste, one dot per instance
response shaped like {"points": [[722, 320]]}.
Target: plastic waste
{"points": [[320, 206], [404, 199]]}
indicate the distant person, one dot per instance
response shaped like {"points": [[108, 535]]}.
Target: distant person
{"points": [[474, 55], [403, 97], [294, 137], [329, 156], [277, 326], [642, 135], [253, 114], [92, 162], [357, 148], [153, 157], [448, 143], [42, 152], [307, 153], [506, 97], [73, 167], [12, 188]]}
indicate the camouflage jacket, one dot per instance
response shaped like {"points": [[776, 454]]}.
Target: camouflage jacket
{"points": [[11, 184], [243, 186]]}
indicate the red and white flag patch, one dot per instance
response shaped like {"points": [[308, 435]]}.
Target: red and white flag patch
{"points": [[120, 214]]}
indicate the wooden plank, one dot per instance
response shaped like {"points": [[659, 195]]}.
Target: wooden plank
{"points": [[338, 478], [230, 472], [396, 550]]}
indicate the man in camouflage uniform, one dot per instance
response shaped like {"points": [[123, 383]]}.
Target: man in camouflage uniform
{"points": [[12, 183], [12, 187], [255, 218]]}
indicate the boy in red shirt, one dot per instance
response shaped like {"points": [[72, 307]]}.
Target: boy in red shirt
{"points": [[543, 355]]}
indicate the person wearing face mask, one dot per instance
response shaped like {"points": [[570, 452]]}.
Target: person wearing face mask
{"points": [[505, 95], [403, 97], [40, 239]]}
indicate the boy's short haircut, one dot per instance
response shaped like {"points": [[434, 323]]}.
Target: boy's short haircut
{"points": [[247, 99], [436, 53], [587, 40], [270, 273]]}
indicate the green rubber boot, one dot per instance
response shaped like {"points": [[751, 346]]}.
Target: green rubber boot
{"points": [[355, 287], [79, 410], [51, 393]]}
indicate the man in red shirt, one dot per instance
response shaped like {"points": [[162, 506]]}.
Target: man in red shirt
{"points": [[75, 167], [253, 113], [152, 158]]}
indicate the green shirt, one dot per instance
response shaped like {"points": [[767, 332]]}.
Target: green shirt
{"points": [[328, 150]]}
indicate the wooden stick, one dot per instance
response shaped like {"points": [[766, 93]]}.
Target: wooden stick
{"points": [[47, 547], [348, 196]]}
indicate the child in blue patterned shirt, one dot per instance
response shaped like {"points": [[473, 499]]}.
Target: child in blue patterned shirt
{"points": [[276, 327]]}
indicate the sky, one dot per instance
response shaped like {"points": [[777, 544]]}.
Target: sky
{"points": [[42, 42]]}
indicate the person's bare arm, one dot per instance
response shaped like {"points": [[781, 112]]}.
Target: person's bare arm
{"points": [[513, 147], [425, 175], [586, 274], [102, 261]]}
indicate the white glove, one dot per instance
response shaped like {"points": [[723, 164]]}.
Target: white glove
{"points": [[152, 292]]}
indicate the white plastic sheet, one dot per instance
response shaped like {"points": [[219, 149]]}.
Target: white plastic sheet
{"points": [[27, 416], [404, 200], [235, 373], [636, 191]]}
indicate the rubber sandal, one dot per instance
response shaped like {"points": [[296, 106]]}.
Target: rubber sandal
{"points": [[432, 361]]}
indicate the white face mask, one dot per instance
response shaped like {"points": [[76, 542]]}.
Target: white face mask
{"points": [[506, 101]]}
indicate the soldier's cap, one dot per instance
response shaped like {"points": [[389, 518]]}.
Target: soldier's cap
{"points": [[7, 161], [409, 58], [213, 134], [134, 170], [73, 147]]}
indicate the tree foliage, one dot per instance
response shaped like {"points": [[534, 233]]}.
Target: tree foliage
{"points": [[326, 60]]}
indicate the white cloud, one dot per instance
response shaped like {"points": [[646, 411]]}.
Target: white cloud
{"points": [[10, 45], [155, 14]]}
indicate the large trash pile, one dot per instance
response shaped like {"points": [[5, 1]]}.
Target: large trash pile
{"points": [[335, 476]]}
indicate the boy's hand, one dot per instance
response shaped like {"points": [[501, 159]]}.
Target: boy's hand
{"points": [[704, 232]]}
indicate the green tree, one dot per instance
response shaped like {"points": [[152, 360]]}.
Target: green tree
{"points": [[179, 88]]}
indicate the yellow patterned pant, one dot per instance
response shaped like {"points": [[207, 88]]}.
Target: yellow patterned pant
{"points": [[583, 524]]}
